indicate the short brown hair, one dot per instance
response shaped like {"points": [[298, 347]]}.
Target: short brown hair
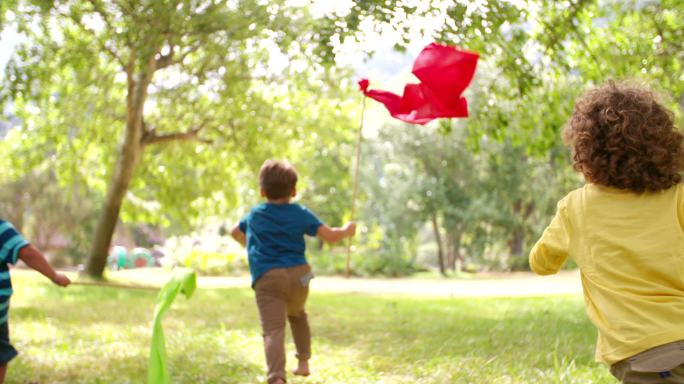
{"points": [[277, 179], [623, 137]]}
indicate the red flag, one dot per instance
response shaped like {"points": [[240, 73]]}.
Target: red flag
{"points": [[444, 73]]}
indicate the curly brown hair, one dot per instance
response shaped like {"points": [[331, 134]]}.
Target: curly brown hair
{"points": [[623, 137]]}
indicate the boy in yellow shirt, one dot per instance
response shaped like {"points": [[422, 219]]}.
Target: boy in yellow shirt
{"points": [[624, 229]]}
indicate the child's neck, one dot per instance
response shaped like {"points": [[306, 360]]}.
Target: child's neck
{"points": [[282, 200]]}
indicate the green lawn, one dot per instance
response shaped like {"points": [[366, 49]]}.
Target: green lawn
{"points": [[101, 335]]}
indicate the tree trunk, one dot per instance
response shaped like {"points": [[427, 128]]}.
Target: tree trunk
{"points": [[16, 215], [516, 242], [123, 174], [456, 258], [450, 256], [129, 157], [438, 239]]}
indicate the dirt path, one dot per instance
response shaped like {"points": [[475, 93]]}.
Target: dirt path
{"points": [[513, 284]]}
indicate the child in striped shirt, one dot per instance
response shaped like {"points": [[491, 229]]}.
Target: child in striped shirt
{"points": [[13, 247]]}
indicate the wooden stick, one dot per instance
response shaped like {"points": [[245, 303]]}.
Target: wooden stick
{"points": [[356, 184], [114, 285]]}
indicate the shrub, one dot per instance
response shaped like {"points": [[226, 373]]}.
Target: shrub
{"points": [[207, 252]]}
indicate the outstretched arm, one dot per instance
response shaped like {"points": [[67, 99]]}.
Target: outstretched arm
{"points": [[333, 235], [34, 259], [238, 235], [550, 252]]}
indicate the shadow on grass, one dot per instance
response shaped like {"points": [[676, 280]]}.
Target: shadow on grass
{"points": [[531, 333], [214, 337], [109, 369]]}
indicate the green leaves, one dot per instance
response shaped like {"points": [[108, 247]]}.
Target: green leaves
{"points": [[234, 82], [538, 54], [214, 105]]}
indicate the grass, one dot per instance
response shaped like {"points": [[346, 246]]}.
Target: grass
{"points": [[101, 335]]}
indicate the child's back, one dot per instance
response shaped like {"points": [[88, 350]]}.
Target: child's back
{"points": [[273, 233], [625, 231], [275, 238], [630, 250]]}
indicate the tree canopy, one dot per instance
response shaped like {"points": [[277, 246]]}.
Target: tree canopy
{"points": [[187, 89], [162, 111]]}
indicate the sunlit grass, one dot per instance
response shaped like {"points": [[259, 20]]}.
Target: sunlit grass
{"points": [[101, 335]]}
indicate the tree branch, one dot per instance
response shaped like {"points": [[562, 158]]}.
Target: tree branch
{"points": [[180, 136], [575, 9], [100, 42], [150, 137], [185, 54], [165, 60], [584, 44], [664, 41], [130, 80], [99, 8]]}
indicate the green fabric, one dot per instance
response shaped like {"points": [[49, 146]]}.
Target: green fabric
{"points": [[185, 282]]}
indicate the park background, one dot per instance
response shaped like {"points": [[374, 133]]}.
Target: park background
{"points": [[145, 122]]}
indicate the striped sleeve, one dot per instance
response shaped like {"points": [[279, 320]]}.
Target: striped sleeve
{"points": [[10, 243], [4, 309], [5, 293]]}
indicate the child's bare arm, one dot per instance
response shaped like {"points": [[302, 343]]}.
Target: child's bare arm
{"points": [[34, 259], [238, 235], [333, 235]]}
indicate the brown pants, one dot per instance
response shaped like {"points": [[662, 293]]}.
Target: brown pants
{"points": [[659, 365], [282, 293]]}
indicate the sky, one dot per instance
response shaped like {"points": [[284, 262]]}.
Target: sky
{"points": [[8, 39]]}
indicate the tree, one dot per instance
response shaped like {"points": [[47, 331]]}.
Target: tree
{"points": [[441, 155], [179, 74], [202, 98], [501, 31], [534, 44], [536, 57], [632, 39], [46, 211], [419, 175]]}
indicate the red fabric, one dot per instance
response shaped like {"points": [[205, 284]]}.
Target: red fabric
{"points": [[444, 73]]}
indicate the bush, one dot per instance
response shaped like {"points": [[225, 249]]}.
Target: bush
{"points": [[362, 263], [207, 252], [374, 254], [213, 263], [327, 261], [384, 264]]}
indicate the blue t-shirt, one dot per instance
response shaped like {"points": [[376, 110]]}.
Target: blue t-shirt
{"points": [[275, 236], [10, 244]]}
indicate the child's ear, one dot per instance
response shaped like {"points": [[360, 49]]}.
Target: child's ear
{"points": [[262, 192], [294, 192]]}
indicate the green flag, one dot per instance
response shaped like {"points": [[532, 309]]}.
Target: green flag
{"points": [[185, 282]]}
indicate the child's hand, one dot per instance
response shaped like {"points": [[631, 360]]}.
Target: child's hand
{"points": [[350, 228], [61, 280]]}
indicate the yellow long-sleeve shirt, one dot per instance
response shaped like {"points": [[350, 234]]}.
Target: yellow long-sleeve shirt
{"points": [[630, 251]]}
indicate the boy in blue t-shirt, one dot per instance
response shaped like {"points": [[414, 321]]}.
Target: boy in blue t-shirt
{"points": [[12, 247], [273, 233]]}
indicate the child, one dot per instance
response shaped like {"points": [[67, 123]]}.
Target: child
{"points": [[13, 246], [273, 233], [624, 229]]}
